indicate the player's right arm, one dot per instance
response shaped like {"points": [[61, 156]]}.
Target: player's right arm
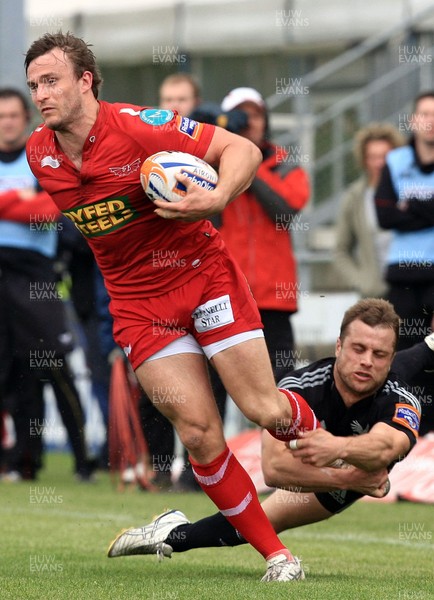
{"points": [[281, 469], [237, 159]]}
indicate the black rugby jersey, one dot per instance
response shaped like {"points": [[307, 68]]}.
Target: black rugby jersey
{"points": [[392, 404]]}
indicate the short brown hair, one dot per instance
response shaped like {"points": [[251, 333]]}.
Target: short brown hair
{"points": [[373, 132], [184, 78], [79, 53], [374, 312], [422, 96], [7, 93]]}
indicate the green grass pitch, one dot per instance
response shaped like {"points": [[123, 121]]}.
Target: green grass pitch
{"points": [[55, 533]]}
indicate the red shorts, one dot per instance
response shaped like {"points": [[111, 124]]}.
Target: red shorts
{"points": [[214, 305]]}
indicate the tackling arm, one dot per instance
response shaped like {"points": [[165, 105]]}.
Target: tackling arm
{"points": [[281, 469], [371, 451]]}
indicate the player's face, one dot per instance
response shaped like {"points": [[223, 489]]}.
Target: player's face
{"points": [[255, 131], [55, 90], [363, 359], [178, 96], [13, 123], [423, 121]]}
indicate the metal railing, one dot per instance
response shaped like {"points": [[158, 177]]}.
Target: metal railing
{"points": [[326, 137]]}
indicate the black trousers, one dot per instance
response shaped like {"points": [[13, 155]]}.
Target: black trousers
{"points": [[414, 303], [34, 342]]}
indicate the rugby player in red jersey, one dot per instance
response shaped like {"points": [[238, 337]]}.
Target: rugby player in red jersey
{"points": [[176, 294]]}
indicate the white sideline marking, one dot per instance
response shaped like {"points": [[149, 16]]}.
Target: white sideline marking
{"points": [[359, 539], [69, 513], [305, 535]]}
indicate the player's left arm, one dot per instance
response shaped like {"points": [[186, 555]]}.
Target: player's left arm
{"points": [[371, 451], [237, 159]]}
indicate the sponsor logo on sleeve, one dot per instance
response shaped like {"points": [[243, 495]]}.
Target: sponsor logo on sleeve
{"points": [[214, 313], [50, 161], [407, 416], [156, 116], [189, 127], [130, 111]]}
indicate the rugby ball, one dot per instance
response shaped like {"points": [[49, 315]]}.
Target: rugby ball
{"points": [[157, 175]]}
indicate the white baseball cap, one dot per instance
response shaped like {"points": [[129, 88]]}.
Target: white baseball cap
{"points": [[240, 95]]}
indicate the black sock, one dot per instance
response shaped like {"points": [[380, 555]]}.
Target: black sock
{"points": [[206, 533]]}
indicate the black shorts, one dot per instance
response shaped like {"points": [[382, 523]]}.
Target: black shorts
{"points": [[336, 502]]}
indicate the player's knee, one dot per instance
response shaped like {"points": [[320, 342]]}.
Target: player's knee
{"points": [[195, 437]]}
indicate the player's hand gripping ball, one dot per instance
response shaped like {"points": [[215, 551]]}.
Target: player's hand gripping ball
{"points": [[157, 175]]}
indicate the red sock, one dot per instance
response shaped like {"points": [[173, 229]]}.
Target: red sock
{"points": [[303, 419], [228, 485]]}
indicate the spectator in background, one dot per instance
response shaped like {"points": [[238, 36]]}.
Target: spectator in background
{"points": [[34, 339], [83, 278], [361, 245], [180, 92], [405, 205], [256, 228]]}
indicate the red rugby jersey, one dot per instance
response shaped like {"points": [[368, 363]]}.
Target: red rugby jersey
{"points": [[139, 253]]}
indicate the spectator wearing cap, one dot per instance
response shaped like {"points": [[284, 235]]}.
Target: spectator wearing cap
{"points": [[256, 228]]}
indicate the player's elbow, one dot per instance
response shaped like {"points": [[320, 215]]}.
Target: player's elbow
{"points": [[383, 458], [271, 478], [269, 475], [274, 475], [256, 155]]}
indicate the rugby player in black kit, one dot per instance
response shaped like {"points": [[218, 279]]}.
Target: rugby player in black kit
{"points": [[369, 419]]}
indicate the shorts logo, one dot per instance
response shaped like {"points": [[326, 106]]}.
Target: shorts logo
{"points": [[407, 416], [156, 116], [339, 496], [214, 313], [189, 127]]}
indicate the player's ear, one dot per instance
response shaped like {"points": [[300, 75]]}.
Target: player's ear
{"points": [[338, 346], [87, 80]]}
